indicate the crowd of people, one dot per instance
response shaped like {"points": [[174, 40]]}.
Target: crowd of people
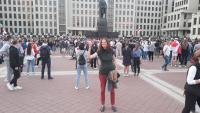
{"points": [[18, 51]]}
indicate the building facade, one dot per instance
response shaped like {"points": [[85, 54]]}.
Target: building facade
{"points": [[62, 17], [148, 18], [81, 16], [29, 16], [110, 15], [137, 17], [195, 26], [177, 21]]}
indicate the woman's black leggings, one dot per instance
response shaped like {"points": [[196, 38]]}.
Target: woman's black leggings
{"points": [[190, 101]]}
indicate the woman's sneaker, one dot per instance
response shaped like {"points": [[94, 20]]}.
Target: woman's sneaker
{"points": [[76, 87], [102, 109], [18, 88], [114, 109], [88, 87], [10, 87]]}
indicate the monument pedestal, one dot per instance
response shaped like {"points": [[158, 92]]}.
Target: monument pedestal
{"points": [[102, 27]]}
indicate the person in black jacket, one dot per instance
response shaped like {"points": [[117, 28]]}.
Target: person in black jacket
{"points": [[192, 86], [45, 53], [15, 65], [93, 50]]}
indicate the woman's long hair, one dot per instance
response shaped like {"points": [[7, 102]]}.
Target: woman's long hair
{"points": [[196, 56], [101, 49], [29, 49]]}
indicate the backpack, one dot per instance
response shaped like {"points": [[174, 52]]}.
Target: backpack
{"points": [[81, 59], [44, 52]]}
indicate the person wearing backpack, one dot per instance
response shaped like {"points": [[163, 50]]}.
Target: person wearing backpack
{"points": [[45, 53], [192, 86], [82, 66]]}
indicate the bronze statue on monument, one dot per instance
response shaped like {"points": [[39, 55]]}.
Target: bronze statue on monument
{"points": [[102, 21]]}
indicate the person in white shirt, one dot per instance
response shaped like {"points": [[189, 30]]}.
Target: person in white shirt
{"points": [[151, 49], [118, 49], [5, 51], [192, 86], [166, 52], [145, 49], [30, 58], [174, 45]]}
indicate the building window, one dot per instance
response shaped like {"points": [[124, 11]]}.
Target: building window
{"points": [[195, 21], [10, 23], [46, 31], [54, 3], [86, 23], [5, 8], [45, 2], [41, 23], [41, 16], [15, 16], [185, 16], [10, 15], [46, 23], [199, 20], [50, 24], [37, 23], [137, 20], [189, 24], [178, 16], [194, 31], [198, 31], [184, 24], [37, 16]]}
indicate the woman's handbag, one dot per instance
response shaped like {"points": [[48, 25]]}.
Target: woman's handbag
{"points": [[113, 75], [113, 79]]}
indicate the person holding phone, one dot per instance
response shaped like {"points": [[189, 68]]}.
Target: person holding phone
{"points": [[107, 64]]}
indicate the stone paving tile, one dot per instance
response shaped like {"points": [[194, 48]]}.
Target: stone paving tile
{"points": [[62, 64], [59, 96], [2, 65], [177, 79], [156, 64]]}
